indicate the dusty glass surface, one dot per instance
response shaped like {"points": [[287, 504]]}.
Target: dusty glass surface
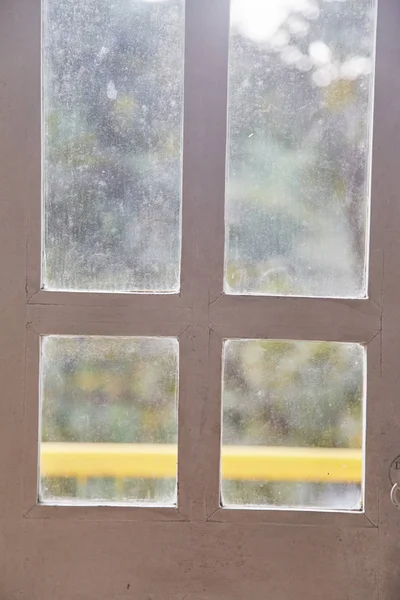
{"points": [[300, 118], [297, 397], [113, 76], [106, 403]]}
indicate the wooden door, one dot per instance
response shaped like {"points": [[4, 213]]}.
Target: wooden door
{"points": [[190, 544]]}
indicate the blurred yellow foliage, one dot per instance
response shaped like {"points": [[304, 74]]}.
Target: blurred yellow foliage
{"points": [[339, 94]]}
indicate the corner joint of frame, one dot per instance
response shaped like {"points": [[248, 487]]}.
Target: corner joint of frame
{"points": [[32, 295], [28, 513], [371, 523], [375, 335], [213, 298], [212, 513], [181, 516], [30, 328]]}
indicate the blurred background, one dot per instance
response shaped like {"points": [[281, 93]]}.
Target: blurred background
{"points": [[297, 221], [109, 421]]}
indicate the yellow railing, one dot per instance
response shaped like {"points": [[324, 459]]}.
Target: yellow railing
{"points": [[260, 463]]}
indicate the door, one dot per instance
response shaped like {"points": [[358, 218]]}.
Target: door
{"points": [[199, 305]]}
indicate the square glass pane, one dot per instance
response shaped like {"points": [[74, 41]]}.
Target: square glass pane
{"points": [[293, 424], [300, 120], [108, 420], [113, 85]]}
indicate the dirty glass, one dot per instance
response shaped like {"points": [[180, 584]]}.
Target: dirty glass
{"points": [[300, 96], [293, 424], [112, 76], [108, 419]]}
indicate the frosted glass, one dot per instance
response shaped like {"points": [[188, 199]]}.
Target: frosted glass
{"points": [[113, 77], [299, 396], [102, 395], [300, 96]]}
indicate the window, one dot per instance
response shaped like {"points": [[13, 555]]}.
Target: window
{"points": [[192, 256], [298, 107]]}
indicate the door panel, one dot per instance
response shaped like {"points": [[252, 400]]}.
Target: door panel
{"points": [[201, 561], [202, 551]]}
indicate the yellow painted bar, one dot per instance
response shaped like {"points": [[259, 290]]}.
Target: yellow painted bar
{"points": [[257, 463], [108, 460]]}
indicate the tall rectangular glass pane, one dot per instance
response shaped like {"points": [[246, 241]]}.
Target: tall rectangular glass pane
{"points": [[300, 120], [108, 419], [113, 77], [293, 424]]}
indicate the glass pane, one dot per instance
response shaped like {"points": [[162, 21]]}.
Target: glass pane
{"points": [[112, 144], [299, 147], [293, 424], [109, 419]]}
